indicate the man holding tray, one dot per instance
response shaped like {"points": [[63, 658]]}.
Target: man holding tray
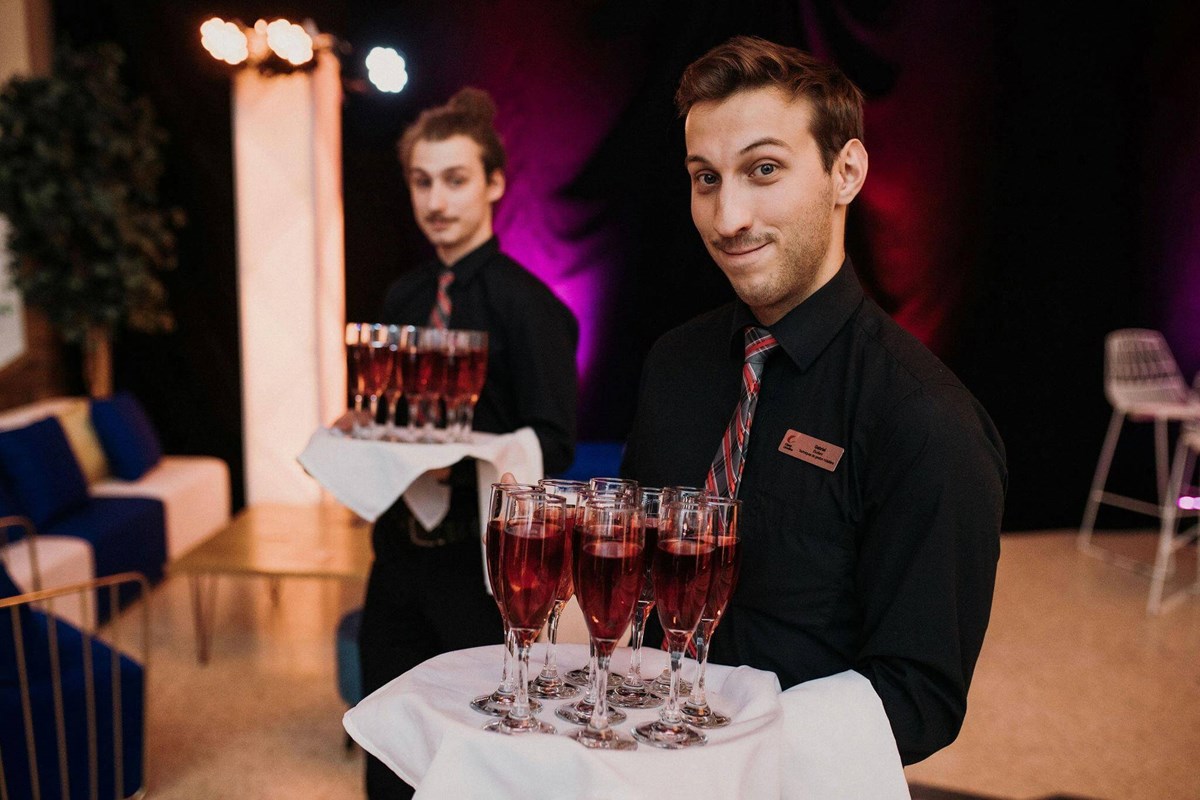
{"points": [[426, 592], [872, 481]]}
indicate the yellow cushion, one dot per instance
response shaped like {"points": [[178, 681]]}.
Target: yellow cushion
{"points": [[77, 424]]}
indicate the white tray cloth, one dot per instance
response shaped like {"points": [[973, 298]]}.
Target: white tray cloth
{"points": [[367, 476], [420, 726]]}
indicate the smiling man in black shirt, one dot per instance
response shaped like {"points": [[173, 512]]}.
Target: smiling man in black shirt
{"points": [[872, 481]]}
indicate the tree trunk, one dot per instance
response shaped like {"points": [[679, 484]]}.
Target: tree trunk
{"points": [[97, 361]]}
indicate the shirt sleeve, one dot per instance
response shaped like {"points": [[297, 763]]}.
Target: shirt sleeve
{"points": [[933, 502], [544, 337]]}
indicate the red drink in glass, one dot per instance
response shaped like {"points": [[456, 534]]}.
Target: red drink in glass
{"points": [[356, 373], [491, 543], [566, 584], [378, 368], [430, 372], [476, 373], [727, 560], [531, 558], [682, 569], [609, 575]]}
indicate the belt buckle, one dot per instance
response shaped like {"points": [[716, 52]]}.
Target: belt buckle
{"points": [[415, 535]]}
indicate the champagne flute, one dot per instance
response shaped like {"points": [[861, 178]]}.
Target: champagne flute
{"points": [[661, 684], [634, 690], [582, 710], [431, 379], [379, 371], [549, 684], [727, 559], [682, 573], [356, 371], [477, 376], [609, 571], [410, 354], [624, 486], [531, 554], [397, 338], [501, 700]]}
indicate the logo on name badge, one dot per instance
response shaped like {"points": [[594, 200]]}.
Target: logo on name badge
{"points": [[814, 451]]}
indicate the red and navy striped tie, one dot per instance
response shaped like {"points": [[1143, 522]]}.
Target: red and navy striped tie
{"points": [[439, 317], [726, 471]]}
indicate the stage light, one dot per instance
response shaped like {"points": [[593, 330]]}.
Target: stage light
{"points": [[225, 41], [289, 41], [1189, 503], [386, 69]]}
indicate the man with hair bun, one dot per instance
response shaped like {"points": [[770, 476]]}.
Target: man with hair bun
{"points": [[426, 593], [872, 482]]}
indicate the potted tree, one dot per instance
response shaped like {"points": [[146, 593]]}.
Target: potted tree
{"points": [[80, 164]]}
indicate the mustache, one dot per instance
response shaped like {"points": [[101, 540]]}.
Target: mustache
{"points": [[436, 218], [741, 242]]}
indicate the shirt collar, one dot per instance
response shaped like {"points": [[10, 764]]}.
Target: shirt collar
{"points": [[469, 265], [806, 330]]}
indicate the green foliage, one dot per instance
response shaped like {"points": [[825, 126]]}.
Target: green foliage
{"points": [[80, 165]]}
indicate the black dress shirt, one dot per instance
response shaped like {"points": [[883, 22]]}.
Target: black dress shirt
{"points": [[532, 338], [887, 563]]}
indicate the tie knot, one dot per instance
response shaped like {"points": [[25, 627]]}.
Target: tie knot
{"points": [[445, 279], [759, 344]]}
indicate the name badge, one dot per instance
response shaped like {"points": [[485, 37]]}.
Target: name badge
{"points": [[814, 451]]}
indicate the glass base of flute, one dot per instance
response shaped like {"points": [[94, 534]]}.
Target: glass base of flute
{"points": [[634, 691], [580, 712], [696, 711], [520, 718], [661, 685], [598, 733], [499, 702], [669, 731]]}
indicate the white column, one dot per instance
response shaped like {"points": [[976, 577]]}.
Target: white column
{"points": [[291, 271]]}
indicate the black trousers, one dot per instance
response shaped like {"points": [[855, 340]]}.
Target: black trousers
{"points": [[421, 602]]}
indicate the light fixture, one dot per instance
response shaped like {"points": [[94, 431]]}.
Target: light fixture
{"points": [[273, 47], [386, 69], [225, 41]]}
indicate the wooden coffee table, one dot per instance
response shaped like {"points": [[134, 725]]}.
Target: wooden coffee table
{"points": [[274, 541]]}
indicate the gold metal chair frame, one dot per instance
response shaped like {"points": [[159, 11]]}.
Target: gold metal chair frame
{"points": [[43, 599]]}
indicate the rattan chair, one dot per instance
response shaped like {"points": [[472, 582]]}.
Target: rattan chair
{"points": [[72, 704], [1143, 383]]}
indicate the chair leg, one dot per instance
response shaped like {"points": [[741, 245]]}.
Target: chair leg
{"points": [[1166, 534], [1099, 479], [1161, 457]]}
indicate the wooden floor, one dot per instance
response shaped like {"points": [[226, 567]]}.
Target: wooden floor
{"points": [[1077, 693]]}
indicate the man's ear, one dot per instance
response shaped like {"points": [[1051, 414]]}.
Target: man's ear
{"points": [[496, 185], [850, 171]]}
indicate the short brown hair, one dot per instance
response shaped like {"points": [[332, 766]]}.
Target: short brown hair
{"points": [[470, 112], [748, 62]]}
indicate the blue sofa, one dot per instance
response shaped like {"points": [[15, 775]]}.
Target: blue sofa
{"points": [[92, 478]]}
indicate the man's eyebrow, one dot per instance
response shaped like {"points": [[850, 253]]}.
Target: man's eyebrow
{"points": [[766, 141], [763, 142]]}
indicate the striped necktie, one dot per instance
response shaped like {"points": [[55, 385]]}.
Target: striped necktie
{"points": [[726, 471], [439, 316]]}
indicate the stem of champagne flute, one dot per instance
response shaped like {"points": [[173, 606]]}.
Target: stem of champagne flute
{"points": [[550, 667], [520, 710], [671, 714], [700, 640], [634, 676], [506, 682], [468, 419], [590, 695], [414, 413], [599, 720], [374, 405]]}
